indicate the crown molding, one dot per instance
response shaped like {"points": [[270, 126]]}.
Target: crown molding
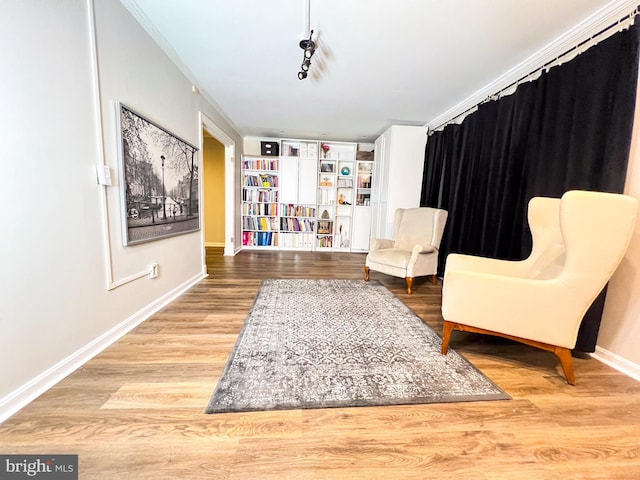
{"points": [[137, 13], [592, 25]]}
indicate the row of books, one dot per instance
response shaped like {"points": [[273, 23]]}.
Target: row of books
{"points": [[265, 196], [270, 209], [297, 211], [296, 224], [260, 239], [260, 223], [264, 180], [260, 164]]}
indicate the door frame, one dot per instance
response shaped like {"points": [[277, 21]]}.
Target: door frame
{"points": [[229, 184]]}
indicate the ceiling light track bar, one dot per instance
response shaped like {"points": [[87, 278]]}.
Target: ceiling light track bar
{"points": [[307, 18]]}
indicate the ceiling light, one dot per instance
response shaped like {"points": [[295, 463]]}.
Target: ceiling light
{"points": [[309, 47]]}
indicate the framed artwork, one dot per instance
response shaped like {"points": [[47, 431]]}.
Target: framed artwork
{"points": [[327, 167], [159, 180]]}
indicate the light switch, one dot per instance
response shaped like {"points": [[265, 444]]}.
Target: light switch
{"points": [[104, 175]]}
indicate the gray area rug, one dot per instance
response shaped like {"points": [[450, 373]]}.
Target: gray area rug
{"points": [[340, 343]]}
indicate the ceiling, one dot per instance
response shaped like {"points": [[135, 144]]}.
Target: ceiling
{"points": [[378, 63]]}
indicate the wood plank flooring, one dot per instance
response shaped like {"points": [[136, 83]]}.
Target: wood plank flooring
{"points": [[136, 410]]}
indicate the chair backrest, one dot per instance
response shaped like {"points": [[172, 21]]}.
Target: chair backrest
{"points": [[547, 255], [596, 228], [418, 226]]}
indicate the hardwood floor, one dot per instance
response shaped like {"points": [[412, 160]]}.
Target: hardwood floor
{"points": [[136, 410]]}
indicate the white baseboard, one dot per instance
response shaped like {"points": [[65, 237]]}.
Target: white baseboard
{"points": [[28, 392], [615, 361]]}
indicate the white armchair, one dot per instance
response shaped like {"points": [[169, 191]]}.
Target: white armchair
{"points": [[578, 242], [413, 252]]}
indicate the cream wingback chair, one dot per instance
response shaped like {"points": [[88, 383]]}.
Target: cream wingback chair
{"points": [[578, 242], [413, 252]]}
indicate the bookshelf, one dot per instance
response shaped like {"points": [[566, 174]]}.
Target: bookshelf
{"points": [[314, 196], [361, 210], [336, 193], [260, 207], [298, 172]]}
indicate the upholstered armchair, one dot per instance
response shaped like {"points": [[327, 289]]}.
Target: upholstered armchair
{"points": [[413, 251], [578, 242]]}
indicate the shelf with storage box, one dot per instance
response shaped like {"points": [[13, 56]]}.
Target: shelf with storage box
{"points": [[298, 180], [260, 207]]}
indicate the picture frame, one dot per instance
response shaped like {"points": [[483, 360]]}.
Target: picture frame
{"points": [[159, 180], [327, 167]]}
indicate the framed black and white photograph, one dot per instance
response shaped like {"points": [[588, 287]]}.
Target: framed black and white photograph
{"points": [[159, 180]]}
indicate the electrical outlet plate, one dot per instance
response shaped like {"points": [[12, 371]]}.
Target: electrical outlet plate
{"points": [[153, 270]]}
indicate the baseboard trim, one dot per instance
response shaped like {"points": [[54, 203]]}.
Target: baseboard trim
{"points": [[215, 244], [22, 396], [616, 361]]}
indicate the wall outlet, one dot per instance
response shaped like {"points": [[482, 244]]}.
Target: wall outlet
{"points": [[153, 270]]}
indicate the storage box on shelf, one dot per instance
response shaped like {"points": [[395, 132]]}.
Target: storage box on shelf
{"points": [[260, 216]]}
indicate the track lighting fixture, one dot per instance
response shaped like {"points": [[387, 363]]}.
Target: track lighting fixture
{"points": [[309, 47]]}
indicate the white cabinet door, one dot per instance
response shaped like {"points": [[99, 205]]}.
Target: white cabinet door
{"points": [[288, 180], [361, 229], [397, 179], [298, 180], [378, 209], [307, 181]]}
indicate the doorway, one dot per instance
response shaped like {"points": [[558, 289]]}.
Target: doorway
{"points": [[213, 194], [218, 160]]}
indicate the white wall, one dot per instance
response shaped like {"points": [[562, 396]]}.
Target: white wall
{"points": [[619, 338], [55, 308]]}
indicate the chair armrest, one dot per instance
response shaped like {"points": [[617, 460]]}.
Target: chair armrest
{"points": [[470, 263], [424, 248], [549, 311], [380, 243]]}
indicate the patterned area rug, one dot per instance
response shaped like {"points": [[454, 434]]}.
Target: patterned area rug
{"points": [[340, 343]]}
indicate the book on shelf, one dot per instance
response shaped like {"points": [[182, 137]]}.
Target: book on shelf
{"points": [[260, 164]]}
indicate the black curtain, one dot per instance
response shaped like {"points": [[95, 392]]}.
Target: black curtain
{"points": [[569, 129]]}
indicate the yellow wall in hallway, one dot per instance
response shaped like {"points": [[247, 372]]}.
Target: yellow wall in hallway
{"points": [[213, 175]]}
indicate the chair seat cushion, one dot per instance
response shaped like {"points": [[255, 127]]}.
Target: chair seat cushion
{"points": [[393, 257]]}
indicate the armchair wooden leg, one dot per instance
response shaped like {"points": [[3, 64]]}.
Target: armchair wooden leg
{"points": [[366, 273], [447, 329], [564, 355], [434, 279], [409, 285]]}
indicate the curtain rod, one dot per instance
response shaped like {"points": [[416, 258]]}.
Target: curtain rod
{"points": [[622, 24]]}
